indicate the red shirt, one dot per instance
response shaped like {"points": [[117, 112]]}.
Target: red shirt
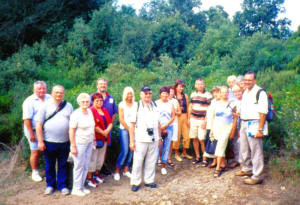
{"points": [[102, 122]]}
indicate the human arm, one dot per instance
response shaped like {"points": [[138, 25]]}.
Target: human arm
{"points": [[121, 118], [131, 136], [262, 120], [28, 125], [159, 136], [189, 110], [262, 110], [171, 120], [233, 130], [72, 140], [39, 133]]}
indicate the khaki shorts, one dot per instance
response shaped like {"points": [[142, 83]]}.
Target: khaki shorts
{"points": [[196, 130]]}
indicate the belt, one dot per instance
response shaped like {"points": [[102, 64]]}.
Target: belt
{"points": [[249, 120]]}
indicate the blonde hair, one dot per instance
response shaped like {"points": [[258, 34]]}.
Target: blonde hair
{"points": [[82, 96], [125, 93]]}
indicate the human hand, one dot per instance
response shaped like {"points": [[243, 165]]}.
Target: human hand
{"points": [[74, 150], [132, 146], [32, 138], [41, 146], [259, 134]]}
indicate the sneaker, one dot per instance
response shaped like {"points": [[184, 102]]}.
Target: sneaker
{"points": [[187, 156], [135, 188], [77, 192], [36, 177], [86, 191], [92, 183], [65, 191], [99, 179], [151, 185], [49, 190], [178, 158], [117, 176], [251, 181], [164, 171], [127, 174]]}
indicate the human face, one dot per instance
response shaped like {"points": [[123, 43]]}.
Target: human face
{"points": [[40, 90], [249, 81], [98, 103], [101, 86], [146, 96], [231, 83], [238, 93], [171, 95], [241, 84], [129, 97], [164, 96], [200, 85], [224, 94], [84, 103], [58, 93], [180, 88], [216, 95]]}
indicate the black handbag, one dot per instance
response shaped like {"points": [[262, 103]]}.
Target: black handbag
{"points": [[210, 146]]}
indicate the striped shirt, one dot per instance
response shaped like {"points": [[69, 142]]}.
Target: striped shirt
{"points": [[200, 103]]}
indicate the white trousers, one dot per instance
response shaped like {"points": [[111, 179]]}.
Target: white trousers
{"points": [[81, 164], [97, 158], [251, 149], [144, 154]]}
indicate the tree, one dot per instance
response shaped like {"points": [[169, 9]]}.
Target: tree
{"points": [[262, 16]]}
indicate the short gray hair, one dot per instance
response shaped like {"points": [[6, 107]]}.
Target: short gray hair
{"points": [[39, 82], [58, 86], [240, 78], [82, 96], [102, 79]]}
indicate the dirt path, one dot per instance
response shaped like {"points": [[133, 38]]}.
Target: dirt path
{"points": [[184, 184]]}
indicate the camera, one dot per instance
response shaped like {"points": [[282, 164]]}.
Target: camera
{"points": [[150, 131]]}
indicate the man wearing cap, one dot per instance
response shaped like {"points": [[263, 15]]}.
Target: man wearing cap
{"points": [[144, 140], [30, 109]]}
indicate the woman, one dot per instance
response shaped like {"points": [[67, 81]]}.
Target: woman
{"points": [[126, 110], [166, 118], [81, 134], [103, 126], [223, 127], [183, 129], [175, 123]]}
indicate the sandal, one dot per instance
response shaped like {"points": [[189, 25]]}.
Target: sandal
{"points": [[170, 163], [212, 165], [204, 163], [217, 173], [196, 161]]}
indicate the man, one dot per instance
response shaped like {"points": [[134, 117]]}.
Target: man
{"points": [[52, 131], [238, 94], [30, 109], [144, 140], [110, 105], [253, 129], [200, 101], [231, 81]]}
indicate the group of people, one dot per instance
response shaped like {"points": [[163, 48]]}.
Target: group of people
{"points": [[149, 131]]}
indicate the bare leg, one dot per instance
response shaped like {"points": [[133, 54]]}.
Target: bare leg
{"points": [[34, 158], [196, 147]]}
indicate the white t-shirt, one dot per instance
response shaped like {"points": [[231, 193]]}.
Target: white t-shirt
{"points": [[165, 111], [84, 124], [175, 105], [129, 113]]}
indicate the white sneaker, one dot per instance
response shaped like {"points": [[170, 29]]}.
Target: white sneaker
{"points": [[65, 191], [99, 179], [86, 191], [49, 190], [92, 183], [36, 177], [117, 176], [77, 192], [164, 171], [127, 174]]}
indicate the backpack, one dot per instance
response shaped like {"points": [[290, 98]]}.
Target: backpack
{"points": [[271, 109]]}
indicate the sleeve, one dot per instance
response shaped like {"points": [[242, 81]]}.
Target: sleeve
{"points": [[73, 120], [41, 114], [27, 110], [262, 103]]}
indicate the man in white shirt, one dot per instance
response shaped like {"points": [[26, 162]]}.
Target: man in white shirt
{"points": [[30, 108], [253, 116], [144, 140]]}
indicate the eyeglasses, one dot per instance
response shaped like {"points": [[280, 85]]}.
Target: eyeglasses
{"points": [[148, 93], [98, 100]]}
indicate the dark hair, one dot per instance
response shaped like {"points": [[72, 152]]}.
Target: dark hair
{"points": [[164, 89], [177, 83], [199, 79], [171, 87], [251, 73], [96, 96]]}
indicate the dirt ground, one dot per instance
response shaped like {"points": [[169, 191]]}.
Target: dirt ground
{"points": [[184, 184]]}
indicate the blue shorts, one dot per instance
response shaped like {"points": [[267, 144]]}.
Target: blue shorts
{"points": [[33, 145]]}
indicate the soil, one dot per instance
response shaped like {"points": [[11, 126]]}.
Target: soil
{"points": [[184, 184]]}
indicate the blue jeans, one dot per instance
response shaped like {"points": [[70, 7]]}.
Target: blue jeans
{"points": [[166, 145], [126, 154], [56, 152]]}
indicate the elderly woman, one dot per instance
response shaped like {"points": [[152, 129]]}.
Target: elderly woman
{"points": [[127, 108], [223, 127], [81, 134], [103, 125], [166, 118], [175, 123]]}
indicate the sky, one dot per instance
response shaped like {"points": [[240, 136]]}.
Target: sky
{"points": [[232, 6]]}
